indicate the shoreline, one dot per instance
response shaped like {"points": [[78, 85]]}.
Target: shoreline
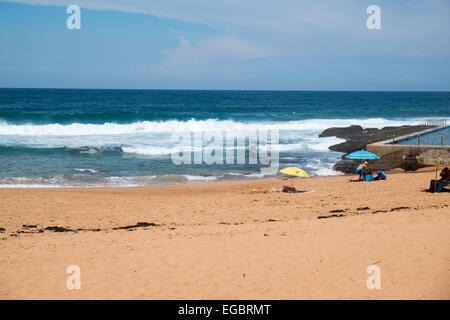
{"points": [[277, 179]]}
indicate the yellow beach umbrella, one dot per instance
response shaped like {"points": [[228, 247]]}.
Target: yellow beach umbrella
{"points": [[294, 171]]}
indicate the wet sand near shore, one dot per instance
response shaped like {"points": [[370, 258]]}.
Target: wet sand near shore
{"points": [[220, 240]]}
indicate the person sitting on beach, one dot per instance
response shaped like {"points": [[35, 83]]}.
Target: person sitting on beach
{"points": [[380, 175], [368, 175], [288, 189], [362, 170], [445, 175], [437, 185]]}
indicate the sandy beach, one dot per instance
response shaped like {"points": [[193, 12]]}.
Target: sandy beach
{"points": [[219, 240]]}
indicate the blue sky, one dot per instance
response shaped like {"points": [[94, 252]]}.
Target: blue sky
{"points": [[204, 44]]}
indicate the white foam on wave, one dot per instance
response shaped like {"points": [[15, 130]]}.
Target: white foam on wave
{"points": [[310, 144], [307, 144], [327, 172], [33, 185], [142, 180], [114, 179], [82, 129], [152, 138], [86, 170], [40, 182], [200, 178], [248, 175], [295, 147], [157, 150]]}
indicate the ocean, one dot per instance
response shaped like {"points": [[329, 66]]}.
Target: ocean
{"points": [[113, 138]]}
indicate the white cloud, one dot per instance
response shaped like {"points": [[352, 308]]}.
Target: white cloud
{"points": [[183, 41], [215, 49], [210, 58]]}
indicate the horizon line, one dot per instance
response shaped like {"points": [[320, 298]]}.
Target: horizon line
{"points": [[262, 90]]}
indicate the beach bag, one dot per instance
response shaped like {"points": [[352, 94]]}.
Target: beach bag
{"points": [[369, 177], [382, 175]]}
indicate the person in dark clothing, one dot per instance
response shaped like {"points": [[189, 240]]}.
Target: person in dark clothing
{"points": [[445, 175], [437, 185]]}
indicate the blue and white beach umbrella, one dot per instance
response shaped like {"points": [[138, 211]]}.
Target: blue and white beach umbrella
{"points": [[361, 154]]}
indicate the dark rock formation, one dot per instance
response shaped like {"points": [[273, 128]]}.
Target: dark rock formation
{"points": [[341, 132], [434, 157], [346, 166], [349, 166], [358, 138]]}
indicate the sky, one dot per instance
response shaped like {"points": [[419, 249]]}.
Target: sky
{"points": [[229, 45]]}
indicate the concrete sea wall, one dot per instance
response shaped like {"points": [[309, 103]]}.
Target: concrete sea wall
{"points": [[393, 155]]}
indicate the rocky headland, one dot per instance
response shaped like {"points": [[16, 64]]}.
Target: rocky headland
{"points": [[357, 138]]}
